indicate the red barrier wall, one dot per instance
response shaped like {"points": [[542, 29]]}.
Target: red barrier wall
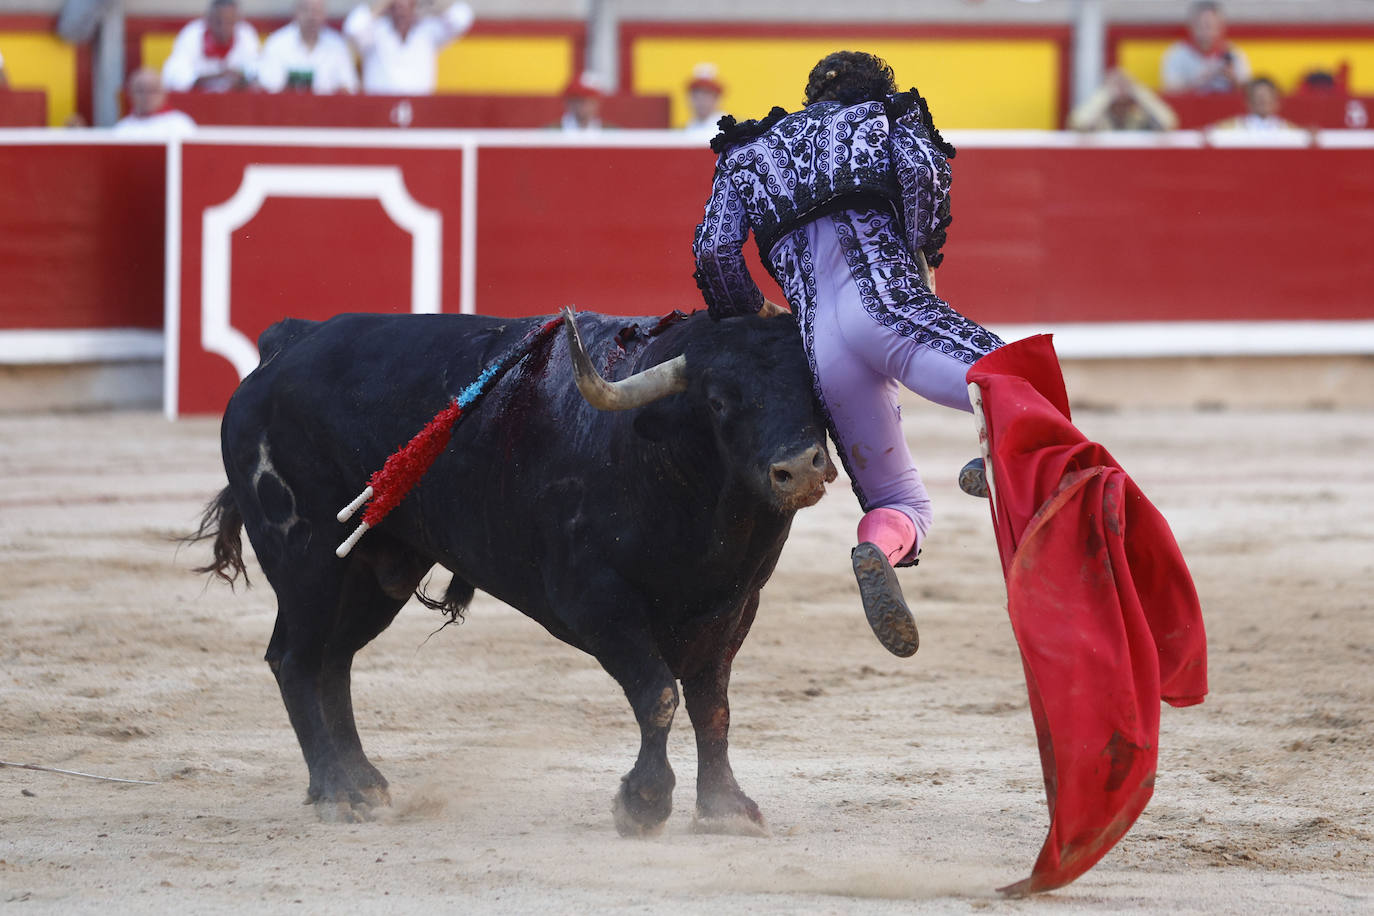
{"points": [[292, 109], [1314, 111], [605, 230], [1053, 235], [23, 108], [1041, 236], [300, 252], [81, 236]]}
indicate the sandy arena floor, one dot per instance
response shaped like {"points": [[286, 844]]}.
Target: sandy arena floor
{"points": [[890, 785]]}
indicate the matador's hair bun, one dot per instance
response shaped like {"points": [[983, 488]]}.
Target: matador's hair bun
{"points": [[850, 77]]}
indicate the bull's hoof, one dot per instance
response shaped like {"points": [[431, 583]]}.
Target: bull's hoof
{"points": [[349, 806], [884, 605], [732, 825], [730, 812], [343, 812], [642, 812], [376, 796]]}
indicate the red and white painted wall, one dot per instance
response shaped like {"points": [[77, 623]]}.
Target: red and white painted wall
{"points": [[1123, 247]]}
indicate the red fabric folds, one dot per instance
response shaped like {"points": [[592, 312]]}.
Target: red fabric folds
{"points": [[1101, 603]]}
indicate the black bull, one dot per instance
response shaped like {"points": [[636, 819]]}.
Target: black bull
{"points": [[641, 537]]}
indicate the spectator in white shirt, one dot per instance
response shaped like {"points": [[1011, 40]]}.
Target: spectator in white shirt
{"points": [[398, 48], [307, 55], [4, 80], [1262, 103], [148, 114], [216, 53]]}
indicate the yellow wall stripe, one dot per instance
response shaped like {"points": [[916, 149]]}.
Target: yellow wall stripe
{"points": [[1284, 60], [39, 61], [970, 83], [507, 65], [156, 48]]}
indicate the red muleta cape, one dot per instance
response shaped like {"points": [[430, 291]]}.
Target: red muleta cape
{"points": [[1102, 605]]}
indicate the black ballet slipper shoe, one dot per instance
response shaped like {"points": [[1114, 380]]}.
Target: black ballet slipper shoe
{"points": [[973, 479]]}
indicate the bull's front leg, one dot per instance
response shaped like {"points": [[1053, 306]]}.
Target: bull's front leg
{"points": [[722, 807], [645, 798], [629, 655]]}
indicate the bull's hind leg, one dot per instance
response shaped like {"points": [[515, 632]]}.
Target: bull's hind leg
{"points": [[722, 807], [320, 627], [380, 582]]}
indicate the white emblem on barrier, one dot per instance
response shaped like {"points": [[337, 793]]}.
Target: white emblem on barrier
{"points": [[383, 183]]}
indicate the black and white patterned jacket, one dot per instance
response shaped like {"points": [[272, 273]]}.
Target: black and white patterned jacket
{"points": [[785, 170]]}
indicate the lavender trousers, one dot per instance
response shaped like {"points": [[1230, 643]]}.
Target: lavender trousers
{"points": [[869, 322]]}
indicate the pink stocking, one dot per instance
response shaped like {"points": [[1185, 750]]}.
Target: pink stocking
{"points": [[892, 531]]}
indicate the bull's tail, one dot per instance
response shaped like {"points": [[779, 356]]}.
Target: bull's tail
{"points": [[222, 521]]}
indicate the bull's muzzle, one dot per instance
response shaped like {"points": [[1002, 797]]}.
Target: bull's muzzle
{"points": [[799, 480]]}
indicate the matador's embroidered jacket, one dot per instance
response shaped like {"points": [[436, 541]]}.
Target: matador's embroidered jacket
{"points": [[779, 173]]}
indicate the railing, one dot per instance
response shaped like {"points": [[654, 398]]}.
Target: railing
{"points": [[290, 109], [23, 108]]}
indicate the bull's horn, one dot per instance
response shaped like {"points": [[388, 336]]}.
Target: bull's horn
{"points": [[636, 391]]}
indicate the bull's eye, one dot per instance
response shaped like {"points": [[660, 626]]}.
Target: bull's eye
{"points": [[716, 404]]}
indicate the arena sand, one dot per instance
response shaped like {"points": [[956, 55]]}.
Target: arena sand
{"points": [[890, 785]]}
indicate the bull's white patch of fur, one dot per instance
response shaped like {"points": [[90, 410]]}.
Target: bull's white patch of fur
{"points": [[265, 468]]}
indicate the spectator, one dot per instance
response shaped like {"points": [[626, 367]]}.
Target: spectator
{"points": [[216, 53], [1206, 62], [703, 99], [148, 114], [307, 55], [582, 104], [399, 49], [1262, 103], [1121, 103], [4, 80]]}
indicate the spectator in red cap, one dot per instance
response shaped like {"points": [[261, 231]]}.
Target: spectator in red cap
{"points": [[582, 104], [704, 90]]}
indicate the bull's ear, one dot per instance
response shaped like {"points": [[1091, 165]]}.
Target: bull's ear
{"points": [[658, 420]]}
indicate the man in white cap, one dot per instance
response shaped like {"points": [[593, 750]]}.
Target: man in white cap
{"points": [[704, 90]]}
